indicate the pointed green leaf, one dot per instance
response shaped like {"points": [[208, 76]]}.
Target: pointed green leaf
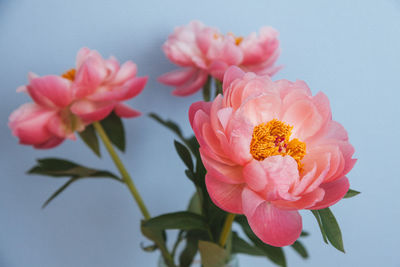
{"points": [[318, 218], [239, 245], [114, 128], [275, 254], [184, 154], [157, 236], [304, 233], [299, 248], [191, 247], [212, 255], [195, 204], [218, 87], [90, 138], [63, 168], [168, 123], [351, 193], [149, 248], [183, 220], [59, 191], [207, 89], [331, 228]]}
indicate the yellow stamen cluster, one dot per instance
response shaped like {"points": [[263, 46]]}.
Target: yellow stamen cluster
{"points": [[238, 40], [70, 74], [273, 138]]}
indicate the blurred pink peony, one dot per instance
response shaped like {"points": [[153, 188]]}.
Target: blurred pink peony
{"points": [[67, 103], [271, 149], [203, 51], [100, 86]]}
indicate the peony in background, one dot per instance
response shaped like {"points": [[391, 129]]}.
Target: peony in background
{"points": [[347, 50]]}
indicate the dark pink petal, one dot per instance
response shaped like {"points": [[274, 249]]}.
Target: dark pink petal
{"points": [[50, 143], [126, 111], [334, 191], [226, 196], [51, 91], [272, 225]]}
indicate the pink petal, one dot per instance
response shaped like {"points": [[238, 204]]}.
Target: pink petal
{"points": [[92, 111], [177, 77], [193, 85], [127, 71], [226, 196], [50, 143], [334, 191], [231, 74], [272, 225], [29, 124], [51, 91], [126, 111], [128, 90], [89, 76]]}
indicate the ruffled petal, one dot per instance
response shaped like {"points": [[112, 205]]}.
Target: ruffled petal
{"points": [[226, 196], [272, 225]]}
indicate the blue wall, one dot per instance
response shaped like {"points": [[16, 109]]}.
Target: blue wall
{"points": [[348, 49]]}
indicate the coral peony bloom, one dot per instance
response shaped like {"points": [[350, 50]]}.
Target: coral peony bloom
{"points": [[203, 51], [271, 149], [67, 103], [100, 86]]}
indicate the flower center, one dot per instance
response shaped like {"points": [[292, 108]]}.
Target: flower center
{"points": [[273, 138], [70, 74], [238, 40]]}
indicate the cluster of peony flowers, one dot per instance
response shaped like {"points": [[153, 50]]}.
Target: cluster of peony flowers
{"points": [[201, 51], [67, 103], [270, 148]]}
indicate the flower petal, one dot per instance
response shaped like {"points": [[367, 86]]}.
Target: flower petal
{"points": [[272, 225]]}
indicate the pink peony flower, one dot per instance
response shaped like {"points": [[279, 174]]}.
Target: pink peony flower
{"points": [[271, 149], [100, 86], [48, 121], [67, 103], [203, 51]]}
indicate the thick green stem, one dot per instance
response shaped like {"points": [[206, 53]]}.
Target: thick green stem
{"points": [[121, 168], [226, 229]]}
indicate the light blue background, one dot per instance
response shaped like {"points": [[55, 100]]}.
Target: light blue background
{"points": [[348, 49]]}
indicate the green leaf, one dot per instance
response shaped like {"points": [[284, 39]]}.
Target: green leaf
{"points": [[275, 254], [114, 128], [62, 168], [183, 220], [149, 248], [218, 87], [59, 191], [318, 218], [195, 204], [331, 228], [91, 140], [212, 255], [299, 248], [169, 124], [190, 175], [184, 154], [206, 89], [304, 233], [157, 236], [239, 245], [191, 247], [351, 193]]}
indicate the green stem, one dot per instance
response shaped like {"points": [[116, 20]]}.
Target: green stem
{"points": [[124, 173], [226, 229]]}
